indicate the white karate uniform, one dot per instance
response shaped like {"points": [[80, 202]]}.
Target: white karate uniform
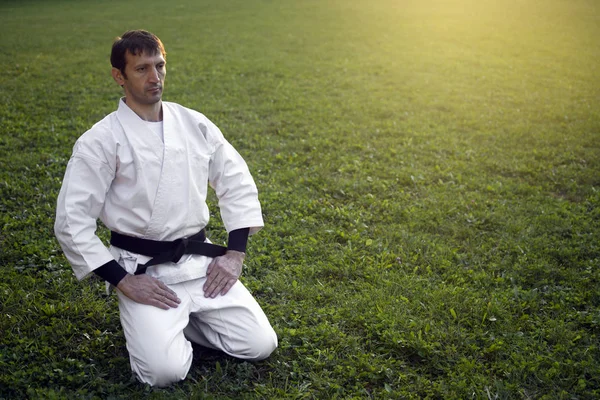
{"points": [[142, 186]]}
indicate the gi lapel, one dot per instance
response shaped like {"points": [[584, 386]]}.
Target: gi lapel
{"points": [[171, 200], [144, 143], [147, 151]]}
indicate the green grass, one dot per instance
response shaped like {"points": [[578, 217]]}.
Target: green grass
{"points": [[429, 173]]}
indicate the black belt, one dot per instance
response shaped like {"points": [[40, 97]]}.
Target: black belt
{"points": [[166, 251]]}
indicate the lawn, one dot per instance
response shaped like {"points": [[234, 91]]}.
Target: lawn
{"points": [[430, 179]]}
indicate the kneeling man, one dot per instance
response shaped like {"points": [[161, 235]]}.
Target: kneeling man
{"points": [[144, 171]]}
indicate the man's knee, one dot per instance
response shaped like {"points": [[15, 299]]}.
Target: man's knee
{"points": [[264, 347], [162, 372], [258, 347]]}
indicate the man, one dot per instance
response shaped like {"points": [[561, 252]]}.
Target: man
{"points": [[144, 171]]}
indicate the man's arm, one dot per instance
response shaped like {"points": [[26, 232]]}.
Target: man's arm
{"points": [[80, 201], [234, 186], [239, 207], [79, 204]]}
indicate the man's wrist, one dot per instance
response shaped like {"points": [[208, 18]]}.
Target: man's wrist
{"points": [[111, 272], [238, 255], [123, 282]]}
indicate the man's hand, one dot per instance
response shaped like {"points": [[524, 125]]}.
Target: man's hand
{"points": [[222, 273], [147, 290]]}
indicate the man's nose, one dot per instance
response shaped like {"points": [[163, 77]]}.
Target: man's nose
{"points": [[154, 75]]}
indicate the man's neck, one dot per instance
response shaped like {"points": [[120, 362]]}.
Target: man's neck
{"points": [[149, 112]]}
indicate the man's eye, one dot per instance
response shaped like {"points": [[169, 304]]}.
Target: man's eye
{"points": [[141, 69]]}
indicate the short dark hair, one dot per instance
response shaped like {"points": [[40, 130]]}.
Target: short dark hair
{"points": [[135, 41]]}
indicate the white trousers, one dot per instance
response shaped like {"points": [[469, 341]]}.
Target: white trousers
{"points": [[157, 340]]}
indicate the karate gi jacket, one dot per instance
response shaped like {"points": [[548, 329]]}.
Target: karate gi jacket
{"points": [[123, 174]]}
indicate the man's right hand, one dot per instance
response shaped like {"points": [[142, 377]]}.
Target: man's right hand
{"points": [[147, 290]]}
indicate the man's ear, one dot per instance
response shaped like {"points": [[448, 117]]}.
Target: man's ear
{"points": [[118, 76]]}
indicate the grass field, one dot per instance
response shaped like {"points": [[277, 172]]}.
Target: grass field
{"points": [[429, 173]]}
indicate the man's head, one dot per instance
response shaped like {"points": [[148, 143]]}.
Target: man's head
{"points": [[134, 42], [139, 67]]}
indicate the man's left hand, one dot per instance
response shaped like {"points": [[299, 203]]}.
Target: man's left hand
{"points": [[222, 273]]}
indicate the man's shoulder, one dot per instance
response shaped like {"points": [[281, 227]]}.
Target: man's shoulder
{"points": [[100, 135], [101, 128], [208, 129], [186, 111], [182, 109]]}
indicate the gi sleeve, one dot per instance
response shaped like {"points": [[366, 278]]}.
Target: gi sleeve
{"points": [[230, 177], [111, 272], [238, 240], [80, 201]]}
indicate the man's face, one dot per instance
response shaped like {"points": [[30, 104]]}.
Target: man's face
{"points": [[145, 78]]}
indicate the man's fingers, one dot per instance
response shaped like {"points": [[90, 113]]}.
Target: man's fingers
{"points": [[159, 304], [147, 290], [211, 265], [211, 280], [218, 289], [213, 286], [164, 292], [161, 300], [169, 295], [166, 288], [228, 286], [221, 275], [169, 303]]}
